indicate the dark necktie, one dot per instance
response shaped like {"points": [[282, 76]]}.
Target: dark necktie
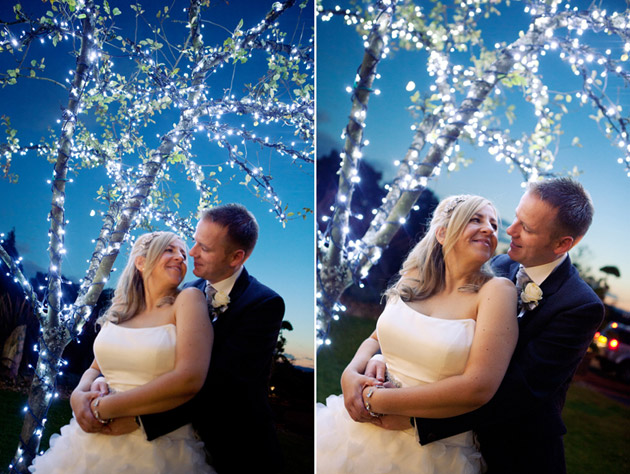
{"points": [[522, 279]]}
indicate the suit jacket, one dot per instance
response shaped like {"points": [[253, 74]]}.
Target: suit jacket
{"points": [[231, 413], [520, 429]]}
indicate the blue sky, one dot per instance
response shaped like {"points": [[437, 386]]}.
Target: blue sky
{"points": [[283, 258], [340, 52]]}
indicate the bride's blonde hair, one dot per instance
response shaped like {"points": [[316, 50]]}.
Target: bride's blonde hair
{"points": [[425, 266], [128, 297]]}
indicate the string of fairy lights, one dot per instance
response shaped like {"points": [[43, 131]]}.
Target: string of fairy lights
{"points": [[132, 197], [458, 105]]}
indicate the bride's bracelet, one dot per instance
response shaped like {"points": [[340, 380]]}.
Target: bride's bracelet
{"points": [[93, 408], [366, 401]]}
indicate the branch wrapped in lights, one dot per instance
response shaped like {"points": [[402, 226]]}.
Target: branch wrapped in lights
{"points": [[331, 254], [54, 335], [300, 114], [461, 104]]}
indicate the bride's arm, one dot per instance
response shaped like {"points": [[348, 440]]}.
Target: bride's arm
{"points": [[353, 379], [192, 358], [495, 338]]}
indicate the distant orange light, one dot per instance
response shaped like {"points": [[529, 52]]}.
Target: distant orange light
{"points": [[613, 344], [602, 339], [614, 325], [596, 336]]}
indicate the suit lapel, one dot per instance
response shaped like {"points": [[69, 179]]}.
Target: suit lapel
{"points": [[240, 285], [549, 287]]}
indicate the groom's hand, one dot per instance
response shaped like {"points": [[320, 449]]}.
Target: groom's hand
{"points": [[352, 385], [120, 426], [393, 422], [80, 402]]}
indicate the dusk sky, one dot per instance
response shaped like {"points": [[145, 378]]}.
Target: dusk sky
{"points": [[340, 51], [283, 258]]}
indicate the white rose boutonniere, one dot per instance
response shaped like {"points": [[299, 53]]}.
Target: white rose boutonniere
{"points": [[531, 295], [220, 300]]}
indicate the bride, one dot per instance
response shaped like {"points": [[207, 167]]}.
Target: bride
{"points": [[447, 334], [153, 350]]}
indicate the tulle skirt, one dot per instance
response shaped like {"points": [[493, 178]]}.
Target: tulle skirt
{"points": [[75, 451], [345, 446]]}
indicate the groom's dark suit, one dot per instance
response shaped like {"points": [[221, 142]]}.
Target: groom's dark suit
{"points": [[231, 413], [521, 429]]}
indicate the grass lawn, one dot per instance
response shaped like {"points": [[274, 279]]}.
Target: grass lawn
{"points": [[598, 427], [11, 405], [297, 449]]}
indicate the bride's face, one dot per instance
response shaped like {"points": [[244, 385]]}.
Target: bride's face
{"points": [[479, 238], [171, 266]]}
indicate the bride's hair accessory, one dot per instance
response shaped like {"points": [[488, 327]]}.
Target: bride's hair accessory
{"points": [[145, 241], [451, 207]]}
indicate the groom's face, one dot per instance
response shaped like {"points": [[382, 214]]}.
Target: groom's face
{"points": [[532, 240], [214, 261]]}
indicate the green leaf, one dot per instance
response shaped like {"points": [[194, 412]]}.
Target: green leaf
{"points": [[116, 11]]}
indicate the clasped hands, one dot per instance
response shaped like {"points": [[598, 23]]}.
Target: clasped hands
{"points": [[82, 402], [355, 387]]}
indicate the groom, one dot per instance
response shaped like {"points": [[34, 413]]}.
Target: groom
{"points": [[231, 413], [520, 430]]}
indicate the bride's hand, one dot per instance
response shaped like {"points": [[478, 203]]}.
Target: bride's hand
{"points": [[80, 401], [352, 385], [100, 385], [376, 368]]}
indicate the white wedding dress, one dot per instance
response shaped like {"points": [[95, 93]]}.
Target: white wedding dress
{"points": [[418, 350], [127, 357]]}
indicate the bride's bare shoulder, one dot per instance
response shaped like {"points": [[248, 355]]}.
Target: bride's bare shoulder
{"points": [[497, 284], [190, 295]]}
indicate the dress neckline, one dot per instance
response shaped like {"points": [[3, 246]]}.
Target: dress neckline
{"points": [[434, 317], [147, 327]]}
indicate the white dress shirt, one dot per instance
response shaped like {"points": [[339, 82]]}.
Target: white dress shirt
{"points": [[539, 273], [226, 285]]}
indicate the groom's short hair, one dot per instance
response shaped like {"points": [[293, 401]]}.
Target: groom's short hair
{"points": [[242, 228], [571, 201]]}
